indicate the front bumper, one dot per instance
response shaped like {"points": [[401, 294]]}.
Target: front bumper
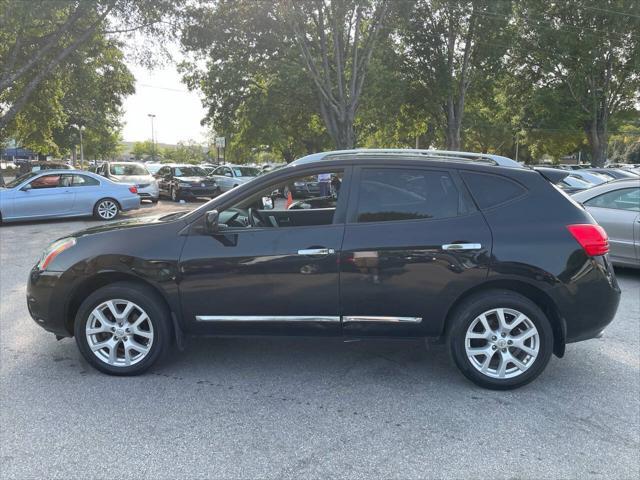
{"points": [[193, 192], [45, 301]]}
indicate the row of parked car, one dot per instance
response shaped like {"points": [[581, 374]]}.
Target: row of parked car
{"points": [[53, 190]]}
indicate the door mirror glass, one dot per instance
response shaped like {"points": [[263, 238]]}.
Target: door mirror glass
{"points": [[267, 203], [211, 224]]}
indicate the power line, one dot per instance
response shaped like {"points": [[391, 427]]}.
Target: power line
{"points": [[146, 85]]}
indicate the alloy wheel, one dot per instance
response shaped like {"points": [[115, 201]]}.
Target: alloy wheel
{"points": [[107, 209], [502, 343], [119, 333]]}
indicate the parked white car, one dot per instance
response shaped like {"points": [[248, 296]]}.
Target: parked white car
{"points": [[132, 173], [230, 176]]}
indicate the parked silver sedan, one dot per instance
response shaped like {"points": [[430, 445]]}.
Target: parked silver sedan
{"points": [[65, 193], [616, 206]]}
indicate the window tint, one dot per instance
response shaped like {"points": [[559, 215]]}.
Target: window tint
{"points": [[491, 190], [46, 181], [625, 199], [83, 181], [403, 194]]}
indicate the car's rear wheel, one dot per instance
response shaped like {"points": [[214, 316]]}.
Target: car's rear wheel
{"points": [[122, 329], [500, 340], [106, 209]]}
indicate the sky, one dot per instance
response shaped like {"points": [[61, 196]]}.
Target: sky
{"points": [[177, 111]]}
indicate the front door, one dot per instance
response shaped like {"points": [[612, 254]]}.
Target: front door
{"points": [[413, 243], [272, 268], [47, 197]]}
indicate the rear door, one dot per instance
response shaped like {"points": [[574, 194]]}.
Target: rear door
{"points": [[413, 243]]}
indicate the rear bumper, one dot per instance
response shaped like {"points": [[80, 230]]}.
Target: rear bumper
{"points": [[129, 203], [150, 192], [590, 301]]}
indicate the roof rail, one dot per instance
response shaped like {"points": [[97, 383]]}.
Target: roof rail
{"points": [[472, 156]]}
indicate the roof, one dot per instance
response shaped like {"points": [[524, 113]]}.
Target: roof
{"points": [[441, 155]]}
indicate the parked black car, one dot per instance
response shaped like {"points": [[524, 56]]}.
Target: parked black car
{"points": [[185, 182], [471, 248]]}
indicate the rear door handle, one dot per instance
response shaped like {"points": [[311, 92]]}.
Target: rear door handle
{"points": [[317, 251], [461, 246]]}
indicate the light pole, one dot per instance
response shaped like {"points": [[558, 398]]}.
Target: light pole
{"points": [[153, 142]]}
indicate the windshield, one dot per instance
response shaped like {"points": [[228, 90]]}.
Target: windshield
{"points": [[576, 182], [127, 169], [17, 181], [245, 172], [189, 172]]}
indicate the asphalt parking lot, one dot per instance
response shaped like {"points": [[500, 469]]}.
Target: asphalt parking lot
{"points": [[314, 408]]}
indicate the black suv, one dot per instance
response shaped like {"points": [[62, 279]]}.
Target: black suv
{"points": [[185, 182], [474, 249]]}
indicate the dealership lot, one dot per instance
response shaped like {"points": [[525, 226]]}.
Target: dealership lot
{"points": [[274, 408]]}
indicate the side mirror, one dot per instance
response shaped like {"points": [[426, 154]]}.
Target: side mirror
{"points": [[26, 188], [211, 224], [267, 203]]}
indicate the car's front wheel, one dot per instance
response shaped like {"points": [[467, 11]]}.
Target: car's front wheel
{"points": [[500, 340], [122, 329], [106, 209]]}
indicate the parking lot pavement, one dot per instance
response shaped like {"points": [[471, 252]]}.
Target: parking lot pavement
{"points": [[289, 408]]}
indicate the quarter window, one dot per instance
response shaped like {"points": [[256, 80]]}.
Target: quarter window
{"points": [[84, 181], [625, 199], [491, 190], [405, 194]]}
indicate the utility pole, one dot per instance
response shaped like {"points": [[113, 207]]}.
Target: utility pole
{"points": [[153, 142]]}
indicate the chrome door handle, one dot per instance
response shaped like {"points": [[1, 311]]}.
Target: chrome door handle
{"points": [[317, 251], [461, 246]]}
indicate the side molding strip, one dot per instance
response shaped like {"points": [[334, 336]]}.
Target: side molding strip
{"points": [[383, 319], [261, 318]]}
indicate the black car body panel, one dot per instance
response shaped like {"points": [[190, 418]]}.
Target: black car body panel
{"points": [[376, 269]]}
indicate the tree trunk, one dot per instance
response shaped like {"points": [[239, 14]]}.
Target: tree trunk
{"points": [[597, 133], [452, 131]]}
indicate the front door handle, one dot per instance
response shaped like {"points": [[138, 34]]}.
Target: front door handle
{"points": [[317, 251], [461, 246]]}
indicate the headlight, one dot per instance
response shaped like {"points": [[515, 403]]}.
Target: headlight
{"points": [[298, 184], [182, 184], [53, 250]]}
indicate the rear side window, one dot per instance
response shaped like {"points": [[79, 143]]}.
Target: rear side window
{"points": [[491, 190], [405, 194], [625, 199]]}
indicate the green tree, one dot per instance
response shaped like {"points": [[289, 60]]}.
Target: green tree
{"points": [[252, 46], [142, 150], [589, 49], [185, 152], [451, 44], [39, 39]]}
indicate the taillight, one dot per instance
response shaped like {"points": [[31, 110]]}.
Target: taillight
{"points": [[133, 189], [592, 238]]}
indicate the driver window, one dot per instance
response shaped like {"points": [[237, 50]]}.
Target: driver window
{"points": [[46, 181], [297, 202]]}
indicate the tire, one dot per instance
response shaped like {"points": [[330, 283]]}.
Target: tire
{"points": [[154, 201], [468, 337], [175, 196], [106, 209], [155, 331]]}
